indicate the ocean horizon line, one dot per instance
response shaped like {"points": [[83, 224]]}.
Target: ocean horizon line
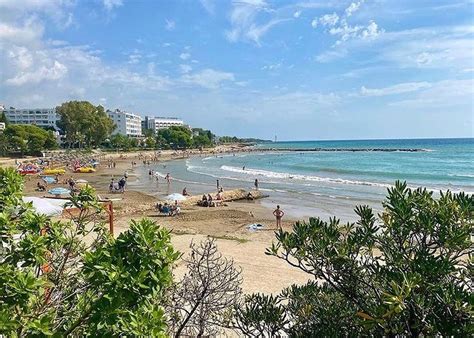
{"points": [[378, 139]]}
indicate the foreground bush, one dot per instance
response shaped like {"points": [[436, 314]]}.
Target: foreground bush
{"points": [[73, 278], [408, 274]]}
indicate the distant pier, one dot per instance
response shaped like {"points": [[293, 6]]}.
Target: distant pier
{"points": [[407, 150]]}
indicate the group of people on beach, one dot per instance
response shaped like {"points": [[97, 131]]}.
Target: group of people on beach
{"points": [[208, 201], [168, 209], [119, 186]]}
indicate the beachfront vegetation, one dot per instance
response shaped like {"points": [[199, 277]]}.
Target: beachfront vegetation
{"points": [[200, 303], [84, 124], [25, 139], [72, 278], [181, 137], [3, 118], [408, 274]]}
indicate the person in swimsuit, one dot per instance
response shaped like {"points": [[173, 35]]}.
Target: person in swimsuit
{"points": [[278, 213]]}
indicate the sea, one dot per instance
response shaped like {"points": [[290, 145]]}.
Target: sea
{"points": [[324, 178]]}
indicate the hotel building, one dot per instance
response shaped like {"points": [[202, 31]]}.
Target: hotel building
{"points": [[156, 123], [126, 123], [41, 117]]}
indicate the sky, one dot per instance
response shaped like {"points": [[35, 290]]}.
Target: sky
{"points": [[298, 70]]}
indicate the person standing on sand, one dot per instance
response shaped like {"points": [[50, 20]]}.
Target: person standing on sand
{"points": [[217, 182], [278, 213], [168, 178], [256, 184]]}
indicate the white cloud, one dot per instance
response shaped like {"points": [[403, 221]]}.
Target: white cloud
{"points": [[109, 5], [134, 58], [371, 31], [331, 55], [255, 32], [353, 7], [170, 25], [432, 47], [244, 23], [347, 32], [184, 56], [272, 67], [21, 57], [29, 32], [329, 19], [185, 68], [297, 14], [208, 5], [207, 78], [305, 98], [314, 23], [395, 89], [44, 73], [446, 93]]}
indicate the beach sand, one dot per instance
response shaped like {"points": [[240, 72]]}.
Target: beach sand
{"points": [[227, 224]]}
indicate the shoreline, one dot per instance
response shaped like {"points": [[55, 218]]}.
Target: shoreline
{"points": [[228, 225]]}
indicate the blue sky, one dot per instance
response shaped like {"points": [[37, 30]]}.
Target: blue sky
{"points": [[295, 69]]}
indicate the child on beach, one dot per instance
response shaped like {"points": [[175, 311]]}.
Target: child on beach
{"points": [[278, 213]]}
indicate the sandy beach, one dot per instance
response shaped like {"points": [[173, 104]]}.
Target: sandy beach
{"points": [[228, 223]]}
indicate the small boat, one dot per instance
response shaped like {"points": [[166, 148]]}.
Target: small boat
{"points": [[57, 171], [29, 171], [84, 170]]}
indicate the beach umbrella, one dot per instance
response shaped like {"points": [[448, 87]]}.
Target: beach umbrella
{"points": [[59, 191], [176, 197], [81, 181], [44, 206]]}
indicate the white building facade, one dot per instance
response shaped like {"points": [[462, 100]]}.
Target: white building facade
{"points": [[41, 117], [126, 123], [156, 123]]}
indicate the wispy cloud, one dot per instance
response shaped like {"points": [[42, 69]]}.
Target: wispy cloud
{"points": [[395, 89], [170, 25], [353, 7], [244, 23], [444, 93], [338, 25], [209, 6], [207, 78], [110, 5], [185, 68], [184, 56]]}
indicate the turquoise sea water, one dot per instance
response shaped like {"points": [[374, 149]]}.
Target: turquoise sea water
{"points": [[332, 182]]}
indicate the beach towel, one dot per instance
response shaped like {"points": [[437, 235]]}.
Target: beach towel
{"points": [[255, 226]]}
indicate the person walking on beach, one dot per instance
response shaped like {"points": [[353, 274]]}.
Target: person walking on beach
{"points": [[168, 178], [256, 184], [278, 213], [218, 185]]}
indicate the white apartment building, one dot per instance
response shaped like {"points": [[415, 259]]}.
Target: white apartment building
{"points": [[41, 117], [126, 123], [156, 123], [2, 126]]}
